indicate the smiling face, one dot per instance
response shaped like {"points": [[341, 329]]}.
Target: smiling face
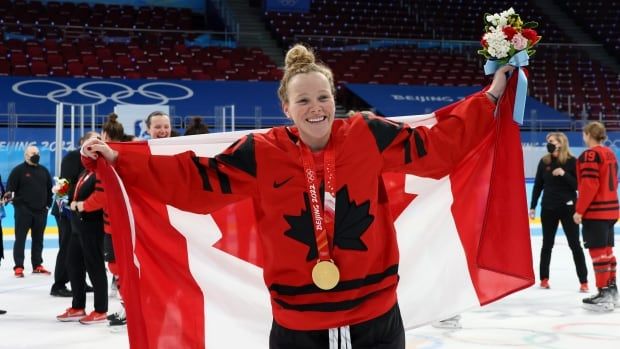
{"points": [[159, 126], [311, 106]]}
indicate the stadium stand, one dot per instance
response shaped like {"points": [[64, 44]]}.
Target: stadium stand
{"points": [[599, 18], [112, 41]]}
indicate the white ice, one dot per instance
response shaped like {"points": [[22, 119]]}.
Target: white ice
{"points": [[532, 318]]}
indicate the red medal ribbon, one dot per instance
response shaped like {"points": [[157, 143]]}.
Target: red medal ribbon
{"points": [[323, 214]]}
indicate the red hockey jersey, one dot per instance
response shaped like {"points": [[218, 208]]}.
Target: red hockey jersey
{"points": [[597, 175], [267, 167]]}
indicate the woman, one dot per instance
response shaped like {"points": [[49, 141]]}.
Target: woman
{"points": [[339, 273], [86, 251], [158, 125], [113, 131], [597, 209], [557, 177]]}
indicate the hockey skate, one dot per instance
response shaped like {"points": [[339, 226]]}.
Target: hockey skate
{"points": [[601, 302], [613, 289], [453, 323]]}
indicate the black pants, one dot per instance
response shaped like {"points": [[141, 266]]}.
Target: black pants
{"points": [[598, 233], [85, 253], [35, 221], [1, 242], [383, 332], [61, 273], [550, 219]]}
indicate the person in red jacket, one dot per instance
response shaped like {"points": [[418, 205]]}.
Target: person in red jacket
{"points": [[597, 209], [328, 240]]}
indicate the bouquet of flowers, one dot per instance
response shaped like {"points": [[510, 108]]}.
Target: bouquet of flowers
{"points": [[505, 35], [61, 189], [507, 40]]}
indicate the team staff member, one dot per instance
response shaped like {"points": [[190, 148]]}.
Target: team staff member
{"points": [[557, 176], [30, 185], [597, 209]]}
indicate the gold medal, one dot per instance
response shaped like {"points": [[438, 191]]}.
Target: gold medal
{"points": [[325, 275]]}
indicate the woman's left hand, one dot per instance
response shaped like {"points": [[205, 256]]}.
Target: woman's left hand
{"points": [[500, 81], [577, 218], [558, 172]]}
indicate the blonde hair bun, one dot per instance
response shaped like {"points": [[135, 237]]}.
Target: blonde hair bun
{"points": [[299, 55], [301, 60]]}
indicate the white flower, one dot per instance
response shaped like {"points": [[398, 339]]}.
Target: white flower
{"points": [[507, 13], [500, 20], [519, 42], [493, 19], [498, 45]]}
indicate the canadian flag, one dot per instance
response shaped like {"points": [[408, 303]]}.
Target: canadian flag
{"points": [[194, 280]]}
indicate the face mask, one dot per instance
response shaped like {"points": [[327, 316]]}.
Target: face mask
{"points": [[35, 159], [551, 147]]}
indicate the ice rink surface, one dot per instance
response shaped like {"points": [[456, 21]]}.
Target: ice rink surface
{"points": [[532, 318]]}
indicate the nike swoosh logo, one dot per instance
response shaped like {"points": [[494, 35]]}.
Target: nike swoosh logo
{"points": [[277, 185]]}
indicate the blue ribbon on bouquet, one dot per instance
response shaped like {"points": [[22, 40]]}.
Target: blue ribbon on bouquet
{"points": [[63, 206], [521, 59]]}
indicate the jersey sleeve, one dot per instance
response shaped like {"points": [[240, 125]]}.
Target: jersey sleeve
{"points": [[96, 200], [190, 182], [588, 175], [434, 152]]}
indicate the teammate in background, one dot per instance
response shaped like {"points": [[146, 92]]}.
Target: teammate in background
{"points": [[557, 176], [196, 127], [30, 186], [70, 169], [86, 251], [597, 209], [113, 131], [158, 125]]}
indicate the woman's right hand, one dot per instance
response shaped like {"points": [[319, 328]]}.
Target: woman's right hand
{"points": [[93, 147], [532, 213]]}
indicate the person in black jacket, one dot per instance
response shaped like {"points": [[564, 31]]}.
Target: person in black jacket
{"points": [[86, 251], [30, 186], [70, 169], [2, 312], [557, 176], [2, 200]]}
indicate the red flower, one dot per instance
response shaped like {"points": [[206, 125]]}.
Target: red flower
{"points": [[510, 32], [64, 189], [530, 34], [483, 42]]}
